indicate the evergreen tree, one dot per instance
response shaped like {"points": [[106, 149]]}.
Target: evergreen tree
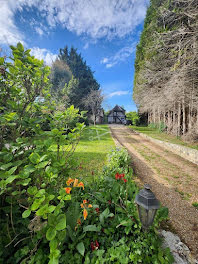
{"points": [[80, 71]]}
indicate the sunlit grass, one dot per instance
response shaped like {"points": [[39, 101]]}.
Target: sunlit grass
{"points": [[91, 152], [155, 133]]}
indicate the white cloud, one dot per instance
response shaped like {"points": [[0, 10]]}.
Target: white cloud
{"points": [[104, 60], [121, 55], [117, 93], [86, 46], [9, 32], [43, 54], [96, 19], [39, 31]]}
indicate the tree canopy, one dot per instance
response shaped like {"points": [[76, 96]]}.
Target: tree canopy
{"points": [[70, 63]]}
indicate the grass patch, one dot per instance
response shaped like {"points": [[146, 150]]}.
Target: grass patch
{"points": [[155, 133], [184, 196], [195, 204], [91, 152]]}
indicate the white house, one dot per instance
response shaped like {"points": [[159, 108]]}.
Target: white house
{"points": [[117, 115]]}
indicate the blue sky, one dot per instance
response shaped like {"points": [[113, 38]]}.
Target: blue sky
{"points": [[105, 32]]}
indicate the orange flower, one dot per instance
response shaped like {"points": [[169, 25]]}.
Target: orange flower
{"points": [[90, 206], [81, 184], [69, 181], [82, 205], [68, 190], [84, 201], [85, 214], [75, 183]]}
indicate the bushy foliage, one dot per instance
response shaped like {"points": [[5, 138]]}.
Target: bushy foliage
{"points": [[134, 117], [33, 162], [110, 230]]}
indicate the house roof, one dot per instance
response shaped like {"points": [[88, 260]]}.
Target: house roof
{"points": [[117, 108]]}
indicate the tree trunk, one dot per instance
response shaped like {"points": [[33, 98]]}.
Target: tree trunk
{"points": [[179, 120], [169, 120], [184, 115], [94, 120], [154, 120], [164, 117]]}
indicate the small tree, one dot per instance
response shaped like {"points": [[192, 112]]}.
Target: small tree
{"points": [[93, 101], [134, 117]]}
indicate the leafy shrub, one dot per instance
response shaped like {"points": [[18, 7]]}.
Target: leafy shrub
{"points": [[34, 163], [134, 117], [112, 230]]}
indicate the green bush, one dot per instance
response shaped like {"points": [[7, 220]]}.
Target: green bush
{"points": [[34, 163]]}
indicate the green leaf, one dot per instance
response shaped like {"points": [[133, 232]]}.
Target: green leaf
{"points": [[1, 60], [53, 244], [12, 170], [61, 222], [20, 47], [43, 158], [24, 182], [32, 190], [54, 256], [42, 165], [11, 179], [81, 248], [29, 169], [40, 193], [62, 235], [51, 233], [6, 166], [7, 157], [26, 213], [37, 203], [51, 208], [105, 213], [127, 222], [15, 192], [43, 210], [92, 228], [34, 158]]}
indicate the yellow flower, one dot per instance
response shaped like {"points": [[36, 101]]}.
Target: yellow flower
{"points": [[90, 206], [85, 214], [69, 181], [81, 184], [68, 190], [75, 183]]}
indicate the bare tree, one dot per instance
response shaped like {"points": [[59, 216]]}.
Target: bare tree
{"points": [[93, 102]]}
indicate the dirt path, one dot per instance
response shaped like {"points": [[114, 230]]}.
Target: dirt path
{"points": [[174, 180]]}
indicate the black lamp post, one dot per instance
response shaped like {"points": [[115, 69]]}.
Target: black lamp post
{"points": [[147, 206]]}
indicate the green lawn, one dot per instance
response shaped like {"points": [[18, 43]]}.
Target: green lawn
{"points": [[155, 133], [91, 152]]}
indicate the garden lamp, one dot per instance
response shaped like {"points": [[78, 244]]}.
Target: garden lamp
{"points": [[147, 206]]}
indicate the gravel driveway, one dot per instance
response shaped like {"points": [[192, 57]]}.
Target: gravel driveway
{"points": [[174, 180]]}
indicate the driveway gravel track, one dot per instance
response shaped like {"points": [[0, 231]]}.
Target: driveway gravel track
{"points": [[174, 181]]}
